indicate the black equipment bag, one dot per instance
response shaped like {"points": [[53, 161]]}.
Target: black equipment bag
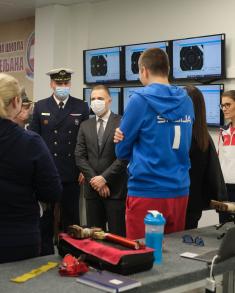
{"points": [[113, 257]]}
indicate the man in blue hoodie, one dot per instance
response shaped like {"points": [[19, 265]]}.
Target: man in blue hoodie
{"points": [[156, 129]]}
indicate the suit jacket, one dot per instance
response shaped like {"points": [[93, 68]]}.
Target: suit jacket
{"points": [[93, 162], [59, 129]]}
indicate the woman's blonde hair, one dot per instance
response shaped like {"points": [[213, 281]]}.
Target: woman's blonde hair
{"points": [[9, 88]]}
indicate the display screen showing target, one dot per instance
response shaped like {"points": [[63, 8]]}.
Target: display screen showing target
{"points": [[132, 54], [198, 58], [212, 97], [103, 65]]}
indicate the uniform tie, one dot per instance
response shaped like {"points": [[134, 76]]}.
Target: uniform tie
{"points": [[100, 132], [61, 105]]}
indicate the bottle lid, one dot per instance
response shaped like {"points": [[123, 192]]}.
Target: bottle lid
{"points": [[153, 217]]}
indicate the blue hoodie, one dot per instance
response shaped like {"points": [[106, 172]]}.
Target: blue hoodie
{"points": [[157, 125]]}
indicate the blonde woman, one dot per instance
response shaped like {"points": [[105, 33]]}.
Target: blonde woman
{"points": [[27, 175]]}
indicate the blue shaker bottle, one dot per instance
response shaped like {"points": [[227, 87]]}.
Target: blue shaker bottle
{"points": [[154, 232]]}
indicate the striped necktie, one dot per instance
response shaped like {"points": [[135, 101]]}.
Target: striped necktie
{"points": [[100, 132]]}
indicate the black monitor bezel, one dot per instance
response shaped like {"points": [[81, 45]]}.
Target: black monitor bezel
{"points": [[212, 125], [124, 57], [205, 79], [121, 67], [120, 94]]}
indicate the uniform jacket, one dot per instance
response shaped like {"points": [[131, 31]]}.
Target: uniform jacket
{"points": [[59, 129], [27, 174], [93, 162]]}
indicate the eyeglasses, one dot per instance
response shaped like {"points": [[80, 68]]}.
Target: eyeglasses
{"points": [[225, 106], [188, 239]]}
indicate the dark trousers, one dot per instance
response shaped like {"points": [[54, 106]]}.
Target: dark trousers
{"points": [[69, 205], [8, 254], [47, 231], [102, 211], [68, 215], [223, 216], [192, 219]]}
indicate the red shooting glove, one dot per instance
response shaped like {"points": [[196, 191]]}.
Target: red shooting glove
{"points": [[72, 267]]}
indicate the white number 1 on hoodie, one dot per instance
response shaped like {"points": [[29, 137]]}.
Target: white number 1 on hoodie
{"points": [[176, 142]]}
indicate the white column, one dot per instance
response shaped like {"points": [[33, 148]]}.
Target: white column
{"points": [[80, 20], [51, 45]]}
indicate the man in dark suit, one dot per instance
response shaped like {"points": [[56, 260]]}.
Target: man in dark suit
{"points": [[57, 119], [105, 176]]}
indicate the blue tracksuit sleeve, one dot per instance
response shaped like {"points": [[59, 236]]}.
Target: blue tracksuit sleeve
{"points": [[130, 126]]}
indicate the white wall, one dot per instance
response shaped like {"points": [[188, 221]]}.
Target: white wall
{"points": [[123, 22], [62, 32], [80, 19]]}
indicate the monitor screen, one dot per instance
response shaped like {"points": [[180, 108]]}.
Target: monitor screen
{"points": [[87, 96], [115, 93], [212, 97], [102, 65], [198, 58], [127, 93], [132, 54]]}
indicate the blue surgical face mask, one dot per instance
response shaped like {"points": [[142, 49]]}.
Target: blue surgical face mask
{"points": [[62, 92]]}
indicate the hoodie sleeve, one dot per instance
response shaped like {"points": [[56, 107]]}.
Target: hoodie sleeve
{"points": [[130, 126]]}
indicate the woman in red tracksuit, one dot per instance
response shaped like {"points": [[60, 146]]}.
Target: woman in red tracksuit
{"points": [[227, 146]]}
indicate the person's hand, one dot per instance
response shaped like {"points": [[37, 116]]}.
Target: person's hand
{"points": [[118, 135], [97, 182], [81, 179], [104, 191]]}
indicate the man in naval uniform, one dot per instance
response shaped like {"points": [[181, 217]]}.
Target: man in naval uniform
{"points": [[57, 119]]}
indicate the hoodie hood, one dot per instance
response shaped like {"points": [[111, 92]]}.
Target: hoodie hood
{"points": [[168, 101], [8, 135]]}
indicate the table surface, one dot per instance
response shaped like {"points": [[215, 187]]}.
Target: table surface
{"points": [[173, 272]]}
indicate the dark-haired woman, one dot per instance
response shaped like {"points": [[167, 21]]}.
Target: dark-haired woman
{"points": [[205, 174]]}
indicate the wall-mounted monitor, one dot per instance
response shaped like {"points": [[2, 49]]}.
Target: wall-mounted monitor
{"points": [[115, 93], [200, 58], [87, 96], [103, 65], [127, 93], [132, 54], [212, 97]]}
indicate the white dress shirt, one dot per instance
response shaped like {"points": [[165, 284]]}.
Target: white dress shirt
{"points": [[105, 119], [58, 101]]}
